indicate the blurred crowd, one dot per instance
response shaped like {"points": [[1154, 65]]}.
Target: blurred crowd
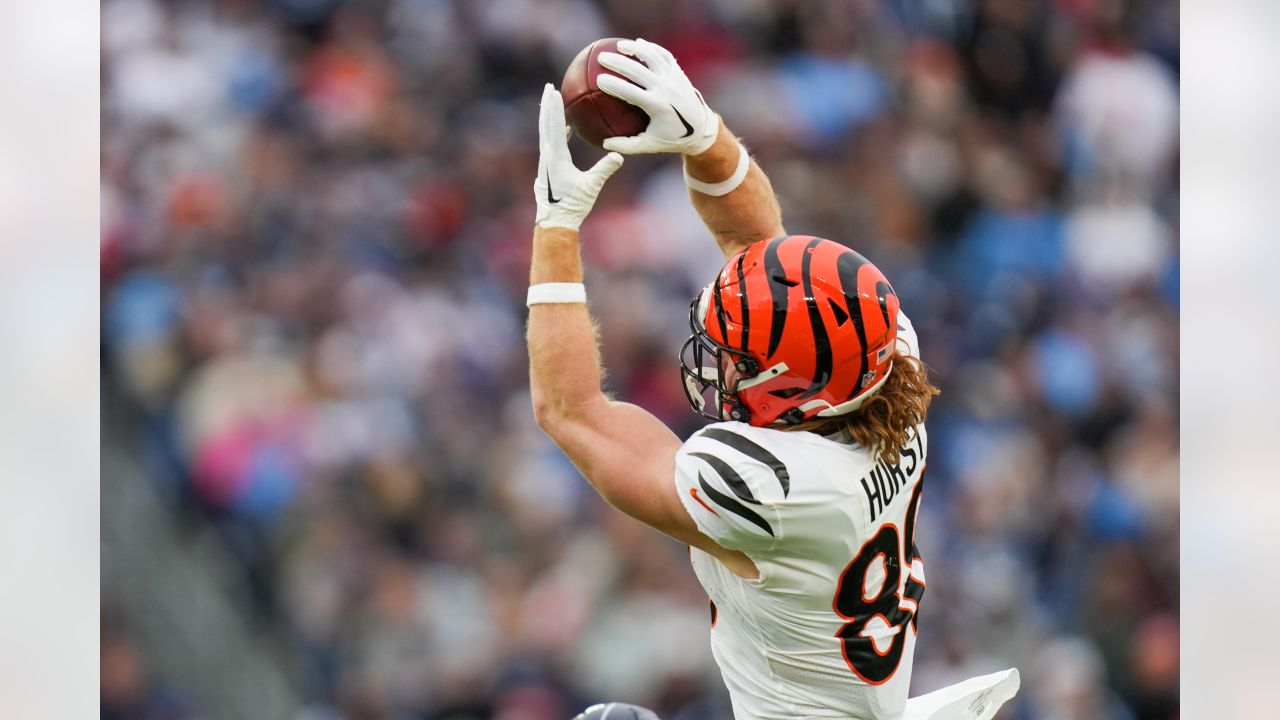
{"points": [[315, 241]]}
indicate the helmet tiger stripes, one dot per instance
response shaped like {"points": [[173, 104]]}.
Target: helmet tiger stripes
{"points": [[792, 329]]}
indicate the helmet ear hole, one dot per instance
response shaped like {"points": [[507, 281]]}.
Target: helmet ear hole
{"points": [[785, 393]]}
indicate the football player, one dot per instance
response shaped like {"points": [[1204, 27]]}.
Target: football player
{"points": [[799, 503]]}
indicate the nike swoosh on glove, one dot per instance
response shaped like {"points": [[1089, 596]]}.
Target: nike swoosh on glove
{"points": [[679, 119], [564, 194]]}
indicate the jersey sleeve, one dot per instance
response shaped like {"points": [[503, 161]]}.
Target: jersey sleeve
{"points": [[731, 486]]}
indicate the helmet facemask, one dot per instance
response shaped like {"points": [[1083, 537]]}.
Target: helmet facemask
{"points": [[711, 371]]}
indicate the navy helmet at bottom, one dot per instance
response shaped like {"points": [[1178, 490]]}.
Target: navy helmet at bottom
{"points": [[617, 711]]}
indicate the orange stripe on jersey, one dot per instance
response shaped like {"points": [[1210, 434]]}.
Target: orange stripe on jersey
{"points": [[694, 493]]}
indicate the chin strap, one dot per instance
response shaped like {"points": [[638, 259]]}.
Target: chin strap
{"points": [[739, 411]]}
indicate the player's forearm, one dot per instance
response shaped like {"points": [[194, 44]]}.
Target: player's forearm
{"points": [[564, 361], [746, 214]]}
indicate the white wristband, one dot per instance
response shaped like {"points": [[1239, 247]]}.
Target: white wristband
{"points": [[556, 293], [724, 187]]}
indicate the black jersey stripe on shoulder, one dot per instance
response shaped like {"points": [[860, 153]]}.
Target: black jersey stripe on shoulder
{"points": [[754, 451], [733, 506], [731, 476]]}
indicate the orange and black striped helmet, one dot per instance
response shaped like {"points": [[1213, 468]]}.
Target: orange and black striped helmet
{"points": [[792, 328]]}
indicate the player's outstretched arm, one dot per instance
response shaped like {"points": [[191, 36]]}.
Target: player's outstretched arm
{"points": [[729, 190], [749, 212], [627, 454]]}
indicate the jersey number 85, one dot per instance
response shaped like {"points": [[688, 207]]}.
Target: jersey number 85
{"points": [[873, 639]]}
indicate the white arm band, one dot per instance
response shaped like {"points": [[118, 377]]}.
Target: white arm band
{"points": [[724, 187], [556, 293]]}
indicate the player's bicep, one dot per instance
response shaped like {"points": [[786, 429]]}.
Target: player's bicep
{"points": [[628, 456]]}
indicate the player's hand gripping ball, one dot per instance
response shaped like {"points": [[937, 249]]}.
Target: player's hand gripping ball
{"points": [[592, 113], [563, 193], [631, 96]]}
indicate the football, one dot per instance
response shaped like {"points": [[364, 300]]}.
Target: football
{"points": [[592, 113]]}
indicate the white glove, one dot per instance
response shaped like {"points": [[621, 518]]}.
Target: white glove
{"points": [[679, 119], [564, 193]]}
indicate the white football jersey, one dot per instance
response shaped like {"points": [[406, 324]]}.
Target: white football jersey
{"points": [[828, 629]]}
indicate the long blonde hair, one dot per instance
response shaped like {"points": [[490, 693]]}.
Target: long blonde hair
{"points": [[883, 424]]}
